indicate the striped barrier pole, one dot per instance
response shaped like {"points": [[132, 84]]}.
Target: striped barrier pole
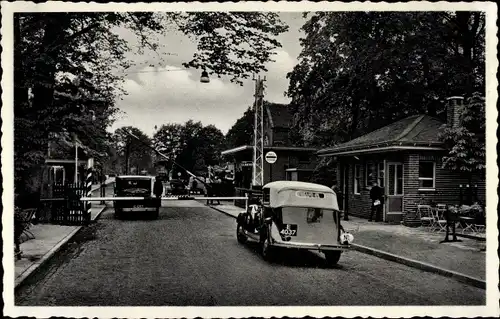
{"points": [[88, 184], [97, 199]]}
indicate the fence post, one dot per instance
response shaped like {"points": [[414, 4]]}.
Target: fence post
{"points": [[89, 189], [476, 198], [461, 196], [246, 202]]}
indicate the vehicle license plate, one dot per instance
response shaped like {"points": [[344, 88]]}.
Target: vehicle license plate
{"points": [[289, 230]]}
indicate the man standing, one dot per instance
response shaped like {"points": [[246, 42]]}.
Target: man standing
{"points": [[158, 191], [376, 195]]}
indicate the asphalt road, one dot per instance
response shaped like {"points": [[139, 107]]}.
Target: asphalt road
{"points": [[190, 257]]}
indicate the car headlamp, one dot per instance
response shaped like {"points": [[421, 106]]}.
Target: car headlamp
{"points": [[346, 238]]}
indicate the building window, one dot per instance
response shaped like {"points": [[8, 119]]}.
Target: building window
{"points": [[357, 179], [303, 158], [266, 140], [287, 173], [427, 175], [370, 173], [381, 175]]}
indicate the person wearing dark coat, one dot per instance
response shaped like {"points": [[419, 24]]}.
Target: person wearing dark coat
{"points": [[376, 195], [158, 191]]}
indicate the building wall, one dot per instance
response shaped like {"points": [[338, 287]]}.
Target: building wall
{"points": [[358, 204], [410, 182], [446, 191], [289, 159], [268, 130], [280, 136]]}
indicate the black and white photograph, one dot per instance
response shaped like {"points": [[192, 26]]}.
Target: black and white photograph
{"points": [[222, 160]]}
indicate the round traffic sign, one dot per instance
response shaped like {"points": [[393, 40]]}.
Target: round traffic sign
{"points": [[271, 157]]}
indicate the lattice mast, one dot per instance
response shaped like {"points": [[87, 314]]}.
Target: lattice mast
{"points": [[258, 133]]}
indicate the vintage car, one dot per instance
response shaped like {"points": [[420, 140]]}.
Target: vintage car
{"points": [[135, 186], [295, 215], [177, 187]]}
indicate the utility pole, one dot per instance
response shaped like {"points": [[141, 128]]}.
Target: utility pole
{"points": [[258, 133]]}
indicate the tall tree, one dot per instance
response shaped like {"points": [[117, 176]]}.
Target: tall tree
{"points": [[241, 133], [168, 140], [360, 71], [135, 153], [192, 145], [466, 142], [64, 62]]}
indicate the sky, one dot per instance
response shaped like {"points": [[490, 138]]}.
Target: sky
{"points": [[155, 96]]}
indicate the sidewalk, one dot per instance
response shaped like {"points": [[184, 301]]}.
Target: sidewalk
{"points": [[97, 186], [48, 240], [415, 244], [418, 244]]}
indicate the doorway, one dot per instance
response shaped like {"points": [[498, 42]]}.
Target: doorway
{"points": [[395, 189], [344, 177]]}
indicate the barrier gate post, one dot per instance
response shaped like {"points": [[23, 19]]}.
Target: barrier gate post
{"points": [[88, 184], [246, 202]]}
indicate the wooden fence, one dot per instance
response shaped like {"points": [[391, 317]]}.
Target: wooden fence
{"points": [[65, 207]]}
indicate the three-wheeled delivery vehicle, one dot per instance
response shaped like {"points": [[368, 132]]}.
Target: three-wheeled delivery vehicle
{"points": [[295, 215], [135, 186]]}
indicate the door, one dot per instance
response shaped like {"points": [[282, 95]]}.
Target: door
{"points": [[343, 187], [394, 189]]}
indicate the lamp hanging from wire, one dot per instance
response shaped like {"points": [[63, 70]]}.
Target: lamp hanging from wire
{"points": [[204, 77]]}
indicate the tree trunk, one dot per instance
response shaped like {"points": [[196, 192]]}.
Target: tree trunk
{"points": [[355, 118], [127, 159], [45, 67], [20, 89], [466, 40]]}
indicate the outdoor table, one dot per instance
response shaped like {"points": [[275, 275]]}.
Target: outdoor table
{"points": [[451, 217], [469, 224]]}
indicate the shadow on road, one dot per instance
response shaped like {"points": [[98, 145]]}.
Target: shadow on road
{"points": [[72, 249], [293, 257]]}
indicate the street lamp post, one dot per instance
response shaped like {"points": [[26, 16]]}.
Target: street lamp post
{"points": [[204, 77]]}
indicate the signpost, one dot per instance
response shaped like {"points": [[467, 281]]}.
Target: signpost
{"points": [[271, 158]]}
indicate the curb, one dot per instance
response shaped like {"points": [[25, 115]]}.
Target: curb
{"points": [[32, 269], [99, 214], [472, 281], [472, 237], [476, 282], [98, 186]]}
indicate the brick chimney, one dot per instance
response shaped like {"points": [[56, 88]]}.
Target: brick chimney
{"points": [[453, 109]]}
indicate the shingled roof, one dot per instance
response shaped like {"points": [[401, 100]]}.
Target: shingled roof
{"points": [[413, 131], [280, 115]]}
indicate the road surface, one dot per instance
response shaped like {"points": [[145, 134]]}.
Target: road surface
{"points": [[190, 257]]}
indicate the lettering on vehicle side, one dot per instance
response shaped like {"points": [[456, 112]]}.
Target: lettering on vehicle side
{"points": [[312, 195]]}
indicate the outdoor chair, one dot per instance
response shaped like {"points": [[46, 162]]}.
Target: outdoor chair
{"points": [[439, 219], [471, 218], [26, 219], [22, 223], [426, 217]]}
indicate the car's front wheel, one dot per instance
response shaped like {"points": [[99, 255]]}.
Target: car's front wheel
{"points": [[267, 250], [240, 235]]}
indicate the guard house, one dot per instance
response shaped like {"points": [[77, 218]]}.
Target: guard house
{"points": [[405, 159], [293, 163], [63, 158]]}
